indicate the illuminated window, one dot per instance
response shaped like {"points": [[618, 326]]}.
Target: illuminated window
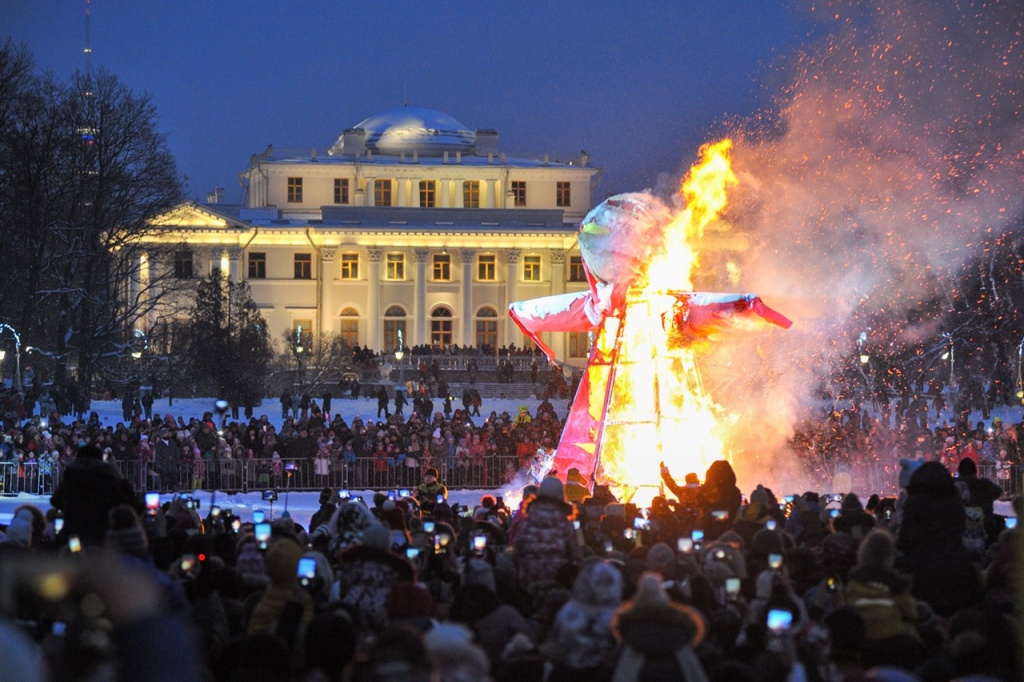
{"points": [[349, 331], [579, 344], [350, 266], [294, 190], [576, 272], [302, 335], [519, 192], [395, 266], [394, 322], [563, 194], [485, 268], [428, 193], [303, 266], [471, 194], [381, 192], [531, 269], [442, 267], [257, 266], [487, 328], [341, 190], [441, 328], [183, 265]]}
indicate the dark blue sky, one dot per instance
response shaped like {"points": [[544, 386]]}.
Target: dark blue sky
{"points": [[639, 85]]}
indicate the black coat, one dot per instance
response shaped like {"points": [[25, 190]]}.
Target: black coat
{"points": [[88, 490]]}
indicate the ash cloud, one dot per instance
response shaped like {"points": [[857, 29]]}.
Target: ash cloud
{"points": [[894, 152]]}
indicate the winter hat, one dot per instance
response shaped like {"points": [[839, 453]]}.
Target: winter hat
{"points": [[19, 531], [124, 532], [877, 551], [326, 496], [907, 469], [479, 572], [967, 467], [250, 560], [282, 562], [851, 504], [551, 489], [598, 584], [765, 542], [409, 600], [759, 496], [377, 535], [430, 472], [455, 655], [692, 481], [661, 556]]}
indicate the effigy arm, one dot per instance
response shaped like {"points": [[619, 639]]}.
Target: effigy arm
{"points": [[559, 313]]}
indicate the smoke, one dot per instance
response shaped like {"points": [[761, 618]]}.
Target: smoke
{"points": [[894, 152]]}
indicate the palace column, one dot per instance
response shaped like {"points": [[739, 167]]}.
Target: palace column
{"points": [[557, 340], [511, 292], [421, 297], [374, 254], [466, 290], [325, 274], [235, 264], [488, 193], [370, 198], [445, 199]]}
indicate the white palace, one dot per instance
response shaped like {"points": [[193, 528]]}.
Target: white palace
{"points": [[409, 222]]}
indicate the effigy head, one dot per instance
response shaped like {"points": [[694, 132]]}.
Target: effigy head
{"points": [[619, 235]]}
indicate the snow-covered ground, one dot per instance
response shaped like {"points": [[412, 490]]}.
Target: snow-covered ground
{"points": [[301, 506]]}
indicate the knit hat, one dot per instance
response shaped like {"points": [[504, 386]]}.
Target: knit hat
{"points": [[765, 542], [759, 496], [19, 531], [326, 496], [479, 572], [598, 584], [455, 654], [877, 550], [250, 560], [551, 489], [282, 561], [124, 532], [409, 600], [661, 556], [650, 599], [377, 535], [967, 467]]}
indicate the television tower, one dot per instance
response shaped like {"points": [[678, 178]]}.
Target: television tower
{"points": [[88, 51]]}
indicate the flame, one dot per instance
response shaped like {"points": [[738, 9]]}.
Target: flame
{"points": [[657, 409]]}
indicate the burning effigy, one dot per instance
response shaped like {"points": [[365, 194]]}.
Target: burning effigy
{"points": [[641, 400]]}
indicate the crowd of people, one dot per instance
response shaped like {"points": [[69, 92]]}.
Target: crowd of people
{"points": [[567, 583]]}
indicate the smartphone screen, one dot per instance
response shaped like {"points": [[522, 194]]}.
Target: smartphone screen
{"points": [[732, 586], [412, 552], [479, 542], [152, 501], [74, 544], [258, 516], [262, 533], [685, 545], [697, 535], [307, 568], [58, 524], [774, 561], [440, 499], [1011, 521], [428, 526], [720, 515], [771, 524], [779, 620]]}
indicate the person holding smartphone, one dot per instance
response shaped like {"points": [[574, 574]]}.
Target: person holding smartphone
{"points": [[89, 488], [431, 491]]}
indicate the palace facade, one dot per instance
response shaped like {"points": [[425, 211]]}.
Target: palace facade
{"points": [[410, 222]]}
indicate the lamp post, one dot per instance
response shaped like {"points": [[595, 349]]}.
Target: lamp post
{"points": [[399, 354], [1020, 377], [17, 355], [949, 355]]}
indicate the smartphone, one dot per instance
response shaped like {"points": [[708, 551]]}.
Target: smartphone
{"points": [[684, 545], [58, 524], [608, 547], [629, 533], [344, 494], [404, 493], [188, 564], [640, 523], [307, 570], [697, 536], [269, 495], [790, 498], [834, 513], [720, 554], [258, 516], [428, 527], [215, 511], [152, 503], [262, 534], [479, 542], [774, 561], [236, 525], [1011, 521], [771, 524], [719, 515], [74, 544], [779, 620], [193, 503], [732, 587], [392, 495], [831, 582], [440, 499], [576, 524], [411, 553]]}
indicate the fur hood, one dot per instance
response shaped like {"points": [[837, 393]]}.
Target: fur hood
{"points": [[598, 584], [653, 624]]}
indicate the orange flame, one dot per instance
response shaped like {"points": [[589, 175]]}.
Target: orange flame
{"points": [[658, 409]]}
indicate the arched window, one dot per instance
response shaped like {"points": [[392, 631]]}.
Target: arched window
{"points": [[394, 321], [487, 328], [441, 327], [349, 327]]}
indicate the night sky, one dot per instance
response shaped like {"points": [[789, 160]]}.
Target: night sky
{"points": [[637, 85]]}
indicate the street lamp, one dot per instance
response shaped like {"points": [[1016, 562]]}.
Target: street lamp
{"points": [[949, 355], [399, 354], [17, 355]]}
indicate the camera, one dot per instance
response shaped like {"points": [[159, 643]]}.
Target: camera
{"points": [[344, 494], [270, 496], [405, 493], [307, 571], [640, 523]]}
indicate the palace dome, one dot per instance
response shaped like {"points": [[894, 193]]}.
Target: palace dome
{"points": [[410, 129]]}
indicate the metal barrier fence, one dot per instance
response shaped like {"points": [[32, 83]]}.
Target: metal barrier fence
{"points": [[311, 475], [33, 478], [1009, 477]]}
